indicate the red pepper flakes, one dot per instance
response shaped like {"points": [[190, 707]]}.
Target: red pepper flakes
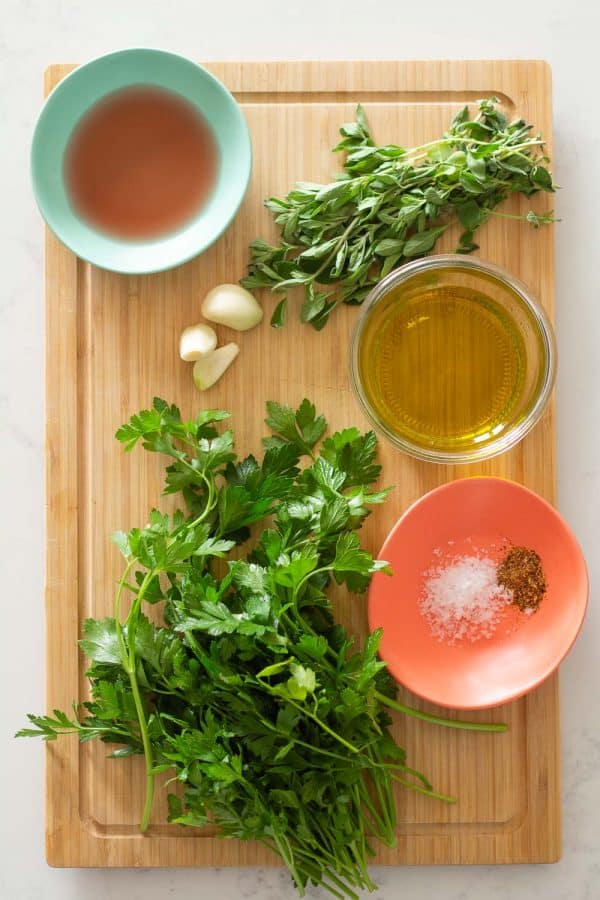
{"points": [[521, 572]]}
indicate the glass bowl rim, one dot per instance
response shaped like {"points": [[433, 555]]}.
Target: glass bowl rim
{"points": [[513, 435]]}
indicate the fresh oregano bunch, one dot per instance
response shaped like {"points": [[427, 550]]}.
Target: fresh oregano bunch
{"points": [[273, 723], [390, 205]]}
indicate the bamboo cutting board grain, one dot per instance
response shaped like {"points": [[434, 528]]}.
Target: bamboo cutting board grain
{"points": [[112, 345]]}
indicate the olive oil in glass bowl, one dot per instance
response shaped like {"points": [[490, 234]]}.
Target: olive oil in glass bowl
{"points": [[452, 359]]}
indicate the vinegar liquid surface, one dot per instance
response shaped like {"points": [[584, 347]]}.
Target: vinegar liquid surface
{"points": [[140, 163]]}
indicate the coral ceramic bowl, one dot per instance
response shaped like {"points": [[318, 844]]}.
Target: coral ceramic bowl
{"points": [[82, 89], [477, 515]]}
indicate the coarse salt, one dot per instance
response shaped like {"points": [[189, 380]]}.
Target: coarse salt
{"points": [[462, 599]]}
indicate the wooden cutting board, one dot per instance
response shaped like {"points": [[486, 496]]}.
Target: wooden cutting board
{"points": [[112, 345]]}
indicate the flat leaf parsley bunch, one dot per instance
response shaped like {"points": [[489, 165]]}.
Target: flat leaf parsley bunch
{"points": [[263, 709]]}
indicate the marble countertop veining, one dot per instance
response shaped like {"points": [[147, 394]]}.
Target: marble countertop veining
{"points": [[34, 33]]}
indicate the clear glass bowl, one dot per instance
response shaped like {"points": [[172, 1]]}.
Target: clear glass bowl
{"points": [[449, 342]]}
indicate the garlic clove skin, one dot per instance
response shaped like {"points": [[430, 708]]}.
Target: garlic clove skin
{"points": [[210, 367], [233, 306], [196, 341]]}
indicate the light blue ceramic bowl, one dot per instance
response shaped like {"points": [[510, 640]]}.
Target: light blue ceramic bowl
{"points": [[84, 87]]}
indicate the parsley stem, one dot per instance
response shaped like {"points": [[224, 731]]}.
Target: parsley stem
{"points": [[117, 611], [359, 862], [379, 826], [210, 500], [323, 725], [314, 871], [307, 577], [439, 720], [419, 789], [94, 730], [284, 849], [326, 841], [320, 750], [310, 867], [148, 755], [131, 669], [387, 815], [348, 892], [388, 767]]}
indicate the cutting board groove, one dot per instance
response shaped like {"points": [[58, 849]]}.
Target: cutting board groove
{"points": [[112, 344], [395, 98]]}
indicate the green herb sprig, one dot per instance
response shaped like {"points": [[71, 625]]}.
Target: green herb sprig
{"points": [[259, 705], [391, 205]]}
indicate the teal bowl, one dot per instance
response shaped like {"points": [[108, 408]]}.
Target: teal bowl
{"points": [[74, 96]]}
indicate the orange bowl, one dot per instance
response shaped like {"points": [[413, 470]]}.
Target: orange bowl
{"points": [[477, 516]]}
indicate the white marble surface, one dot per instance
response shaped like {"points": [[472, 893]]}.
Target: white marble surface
{"points": [[36, 32]]}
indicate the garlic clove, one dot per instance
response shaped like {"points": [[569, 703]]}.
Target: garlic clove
{"points": [[195, 341], [232, 305], [209, 368]]}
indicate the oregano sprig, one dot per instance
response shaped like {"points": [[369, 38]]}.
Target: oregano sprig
{"points": [[390, 205]]}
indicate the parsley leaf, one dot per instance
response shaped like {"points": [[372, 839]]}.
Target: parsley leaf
{"points": [[302, 428], [100, 643]]}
